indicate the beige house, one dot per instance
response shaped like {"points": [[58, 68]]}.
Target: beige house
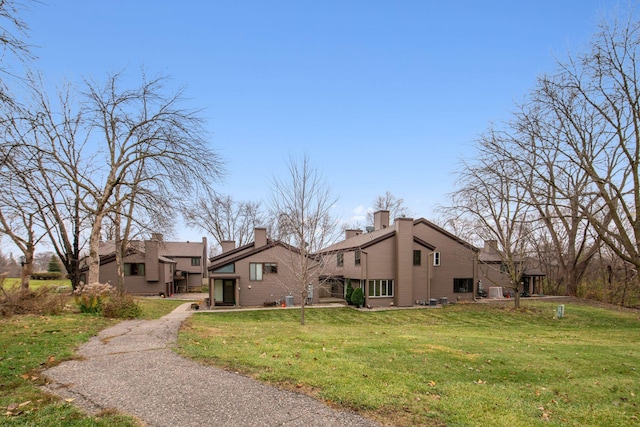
{"points": [[493, 273], [154, 267], [410, 262], [256, 274]]}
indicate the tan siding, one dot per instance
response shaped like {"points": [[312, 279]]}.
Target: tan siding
{"points": [[137, 285], [456, 261], [404, 252], [152, 265], [273, 286], [421, 275]]}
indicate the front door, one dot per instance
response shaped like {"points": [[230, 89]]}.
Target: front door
{"points": [[228, 291]]}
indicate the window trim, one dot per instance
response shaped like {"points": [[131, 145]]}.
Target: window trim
{"points": [[340, 259], [436, 259], [378, 285], [357, 257], [195, 261]]}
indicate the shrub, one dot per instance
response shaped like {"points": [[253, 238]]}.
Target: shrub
{"points": [[357, 298], [47, 275], [54, 265], [348, 295], [121, 306], [90, 298], [44, 301]]}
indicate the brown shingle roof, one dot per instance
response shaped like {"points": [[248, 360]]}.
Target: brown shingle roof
{"points": [[361, 240], [166, 249]]}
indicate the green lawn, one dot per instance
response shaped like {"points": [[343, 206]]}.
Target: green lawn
{"points": [[10, 282], [464, 365], [154, 308]]}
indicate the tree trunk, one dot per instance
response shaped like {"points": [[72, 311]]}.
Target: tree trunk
{"points": [[516, 295], [302, 304], [27, 267], [94, 251]]}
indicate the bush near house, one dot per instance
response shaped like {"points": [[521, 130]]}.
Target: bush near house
{"points": [[357, 298], [90, 297], [349, 293], [121, 306]]}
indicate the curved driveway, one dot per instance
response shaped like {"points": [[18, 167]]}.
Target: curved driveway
{"points": [[132, 368]]}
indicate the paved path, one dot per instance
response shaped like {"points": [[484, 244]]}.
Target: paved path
{"points": [[132, 368]]}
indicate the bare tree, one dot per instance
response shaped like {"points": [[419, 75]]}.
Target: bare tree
{"points": [[496, 203], [301, 205], [388, 202], [553, 187], [595, 99], [20, 228], [19, 206], [224, 218], [150, 144], [109, 153], [14, 33], [41, 261]]}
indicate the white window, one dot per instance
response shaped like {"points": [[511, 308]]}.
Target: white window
{"points": [[258, 269], [380, 288], [436, 259], [255, 271]]}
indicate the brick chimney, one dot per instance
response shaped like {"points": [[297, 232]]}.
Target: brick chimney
{"points": [[351, 233], [228, 245], [490, 246], [380, 220], [260, 237]]}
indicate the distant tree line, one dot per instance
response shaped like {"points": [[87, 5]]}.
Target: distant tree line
{"points": [[559, 181]]}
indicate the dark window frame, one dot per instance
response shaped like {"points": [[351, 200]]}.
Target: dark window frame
{"points": [[134, 269], [463, 285], [417, 257]]}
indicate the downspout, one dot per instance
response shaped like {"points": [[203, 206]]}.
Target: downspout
{"points": [[366, 277], [237, 292], [475, 275], [212, 291], [430, 262]]}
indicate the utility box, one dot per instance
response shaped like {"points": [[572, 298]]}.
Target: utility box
{"points": [[443, 300], [433, 302], [560, 311], [288, 301]]}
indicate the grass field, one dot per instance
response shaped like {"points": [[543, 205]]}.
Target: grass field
{"points": [[10, 282], [31, 343], [463, 365]]}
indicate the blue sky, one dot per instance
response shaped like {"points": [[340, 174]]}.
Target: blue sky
{"points": [[380, 95]]}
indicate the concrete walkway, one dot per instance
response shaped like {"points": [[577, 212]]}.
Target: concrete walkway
{"points": [[131, 367]]}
